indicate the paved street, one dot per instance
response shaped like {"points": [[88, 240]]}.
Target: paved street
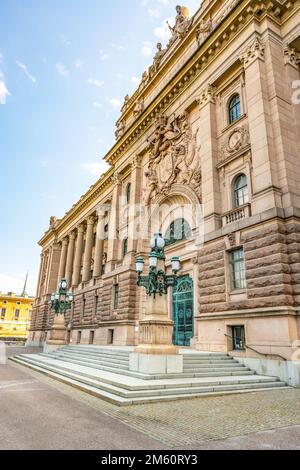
{"points": [[44, 414]]}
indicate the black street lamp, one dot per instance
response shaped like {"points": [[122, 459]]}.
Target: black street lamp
{"points": [[62, 300], [157, 281]]}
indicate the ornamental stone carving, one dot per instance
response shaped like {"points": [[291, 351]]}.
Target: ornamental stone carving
{"points": [[237, 140], [138, 108], [207, 95], [182, 25], [121, 128], [204, 31], [173, 159], [53, 222], [291, 56], [125, 104], [256, 50]]}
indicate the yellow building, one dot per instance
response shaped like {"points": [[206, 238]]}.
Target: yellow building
{"points": [[15, 316]]}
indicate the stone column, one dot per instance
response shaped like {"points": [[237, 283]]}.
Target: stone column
{"points": [[78, 256], [88, 249], [264, 177], [211, 197], [113, 238], [99, 249], [63, 259], [70, 258], [133, 222]]}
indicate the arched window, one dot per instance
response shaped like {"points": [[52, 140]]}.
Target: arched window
{"points": [[234, 109], [128, 193], [241, 193], [178, 230], [125, 247]]}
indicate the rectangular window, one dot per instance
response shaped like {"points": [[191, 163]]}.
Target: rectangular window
{"points": [[83, 307], [79, 337], [92, 337], [3, 313], [238, 338], [237, 268], [96, 304], [17, 314], [116, 296], [110, 337]]}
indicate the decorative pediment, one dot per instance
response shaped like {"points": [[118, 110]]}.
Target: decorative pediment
{"points": [[173, 157]]}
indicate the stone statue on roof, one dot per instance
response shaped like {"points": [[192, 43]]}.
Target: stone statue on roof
{"points": [[182, 23]]}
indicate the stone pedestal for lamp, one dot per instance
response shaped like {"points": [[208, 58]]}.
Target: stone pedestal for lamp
{"points": [[156, 353], [58, 335]]}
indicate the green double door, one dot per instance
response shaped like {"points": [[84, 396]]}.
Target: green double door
{"points": [[183, 312]]}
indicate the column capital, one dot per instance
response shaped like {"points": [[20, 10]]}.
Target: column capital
{"points": [[117, 179], [72, 235], [207, 95], [256, 50], [65, 241], [291, 56], [91, 220], [136, 162], [81, 228]]}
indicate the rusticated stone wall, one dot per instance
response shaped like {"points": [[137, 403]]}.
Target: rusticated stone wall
{"points": [[272, 260]]}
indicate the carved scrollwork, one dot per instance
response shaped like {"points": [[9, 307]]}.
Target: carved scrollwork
{"points": [[121, 128]]}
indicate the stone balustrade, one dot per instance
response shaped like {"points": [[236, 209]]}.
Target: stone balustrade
{"points": [[236, 215]]}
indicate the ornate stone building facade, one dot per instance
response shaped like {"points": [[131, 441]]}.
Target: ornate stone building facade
{"points": [[208, 152]]}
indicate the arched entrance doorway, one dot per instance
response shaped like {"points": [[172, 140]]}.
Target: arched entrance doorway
{"points": [[183, 312]]}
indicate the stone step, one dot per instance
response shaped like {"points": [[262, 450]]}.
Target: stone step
{"points": [[119, 394], [139, 385], [93, 359], [218, 365], [211, 371], [98, 350]]}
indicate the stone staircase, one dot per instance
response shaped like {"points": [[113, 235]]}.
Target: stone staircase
{"points": [[104, 372]]}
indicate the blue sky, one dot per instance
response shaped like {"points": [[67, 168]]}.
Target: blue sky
{"points": [[65, 67]]}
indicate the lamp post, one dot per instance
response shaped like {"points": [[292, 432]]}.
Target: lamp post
{"points": [[156, 352], [157, 282], [61, 301]]}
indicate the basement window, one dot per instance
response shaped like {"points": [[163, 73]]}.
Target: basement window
{"points": [[238, 338]]}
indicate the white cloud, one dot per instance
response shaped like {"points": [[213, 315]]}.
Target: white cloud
{"points": [[103, 56], [26, 71], [95, 82], [147, 48], [3, 89], [95, 168], [162, 32], [116, 103], [118, 47], [62, 70], [96, 104], [154, 13], [78, 64], [136, 80]]}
